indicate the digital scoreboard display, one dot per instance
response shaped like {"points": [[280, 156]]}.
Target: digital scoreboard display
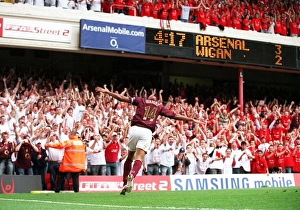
{"points": [[221, 49]]}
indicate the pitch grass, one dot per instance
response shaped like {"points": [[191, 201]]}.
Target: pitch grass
{"points": [[262, 198]]}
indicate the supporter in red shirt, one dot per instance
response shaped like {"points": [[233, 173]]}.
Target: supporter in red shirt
{"points": [[256, 23], [119, 6], [293, 26], [208, 17], [246, 23], [173, 13], [253, 150], [237, 21], [265, 22], [201, 16], [277, 132], [146, 8], [165, 11], [296, 156], [106, 6], [283, 24], [223, 18], [263, 131], [132, 10], [278, 24], [288, 158], [157, 7], [111, 154], [286, 120], [280, 157], [214, 19], [271, 159], [260, 163]]}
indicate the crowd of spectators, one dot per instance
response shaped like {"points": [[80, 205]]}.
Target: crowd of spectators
{"points": [[262, 137], [266, 16]]}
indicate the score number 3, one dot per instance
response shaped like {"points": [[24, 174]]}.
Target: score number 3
{"points": [[278, 56]]}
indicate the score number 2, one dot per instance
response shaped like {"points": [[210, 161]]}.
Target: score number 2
{"points": [[278, 55]]}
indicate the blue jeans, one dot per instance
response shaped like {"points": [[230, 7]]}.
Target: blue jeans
{"points": [[22, 171], [153, 169], [7, 166], [111, 169], [235, 170], [166, 170], [98, 170]]}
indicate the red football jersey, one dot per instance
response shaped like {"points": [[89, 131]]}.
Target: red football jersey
{"points": [[147, 112]]}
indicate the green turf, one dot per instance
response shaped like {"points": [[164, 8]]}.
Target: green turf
{"points": [[262, 198]]}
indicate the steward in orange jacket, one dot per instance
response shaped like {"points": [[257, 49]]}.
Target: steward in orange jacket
{"points": [[73, 161]]}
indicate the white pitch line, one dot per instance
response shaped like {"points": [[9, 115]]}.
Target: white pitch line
{"points": [[106, 206]]}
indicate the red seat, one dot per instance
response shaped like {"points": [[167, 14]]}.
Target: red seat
{"points": [[47, 181]]}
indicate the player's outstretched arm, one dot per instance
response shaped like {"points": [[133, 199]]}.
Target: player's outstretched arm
{"points": [[184, 118], [115, 95]]}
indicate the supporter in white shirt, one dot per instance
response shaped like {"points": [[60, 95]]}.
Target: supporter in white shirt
{"points": [[68, 119], [19, 108], [202, 164], [153, 158], [97, 157], [81, 5], [190, 151], [121, 161], [96, 5], [58, 116], [72, 5], [4, 125], [64, 135], [236, 153], [229, 161], [168, 149], [50, 115], [217, 165], [245, 158], [54, 159], [11, 122], [264, 146], [78, 110]]}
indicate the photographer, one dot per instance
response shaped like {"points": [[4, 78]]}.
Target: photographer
{"points": [[181, 161], [24, 149]]}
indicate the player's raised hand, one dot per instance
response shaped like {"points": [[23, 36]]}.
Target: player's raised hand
{"points": [[103, 90]]}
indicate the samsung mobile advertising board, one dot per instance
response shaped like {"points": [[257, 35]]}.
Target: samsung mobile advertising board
{"points": [[188, 182]]}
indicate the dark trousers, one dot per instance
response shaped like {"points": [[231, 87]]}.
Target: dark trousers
{"points": [[61, 180], [53, 171], [242, 171], [37, 170]]}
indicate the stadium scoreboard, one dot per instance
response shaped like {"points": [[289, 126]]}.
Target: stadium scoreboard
{"points": [[188, 45]]}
